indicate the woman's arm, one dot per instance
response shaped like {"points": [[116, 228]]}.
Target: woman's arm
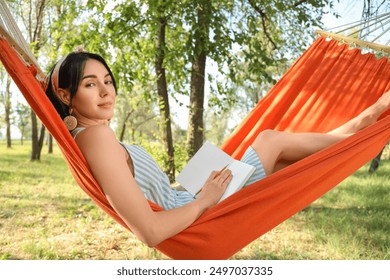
{"points": [[107, 161]]}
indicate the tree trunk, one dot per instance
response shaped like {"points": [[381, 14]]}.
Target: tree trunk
{"points": [[195, 132], [38, 138], [123, 130], [124, 126], [35, 36], [50, 144], [8, 111], [162, 92], [35, 152], [41, 137], [375, 163]]}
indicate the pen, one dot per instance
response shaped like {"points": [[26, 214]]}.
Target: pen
{"points": [[219, 173]]}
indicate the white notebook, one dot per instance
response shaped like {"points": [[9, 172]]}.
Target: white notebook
{"points": [[211, 158]]}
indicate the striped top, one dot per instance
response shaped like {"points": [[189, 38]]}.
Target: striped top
{"points": [[153, 182]]}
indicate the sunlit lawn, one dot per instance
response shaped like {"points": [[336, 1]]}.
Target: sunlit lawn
{"points": [[45, 215]]}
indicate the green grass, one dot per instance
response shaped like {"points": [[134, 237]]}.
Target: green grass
{"points": [[45, 215]]}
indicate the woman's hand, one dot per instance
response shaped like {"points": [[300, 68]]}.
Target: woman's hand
{"points": [[215, 187]]}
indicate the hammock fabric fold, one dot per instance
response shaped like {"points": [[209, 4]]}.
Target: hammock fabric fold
{"points": [[328, 85]]}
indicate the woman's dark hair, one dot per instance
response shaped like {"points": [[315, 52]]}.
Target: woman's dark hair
{"points": [[69, 78]]}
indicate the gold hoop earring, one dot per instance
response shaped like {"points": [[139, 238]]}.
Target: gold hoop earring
{"points": [[70, 121]]}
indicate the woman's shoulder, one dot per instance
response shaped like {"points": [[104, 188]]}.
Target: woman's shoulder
{"points": [[96, 134]]}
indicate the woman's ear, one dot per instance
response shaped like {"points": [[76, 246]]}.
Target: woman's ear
{"points": [[64, 96]]}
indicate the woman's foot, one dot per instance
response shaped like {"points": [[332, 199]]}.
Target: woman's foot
{"points": [[372, 113]]}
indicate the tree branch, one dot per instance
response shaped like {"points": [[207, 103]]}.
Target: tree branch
{"points": [[263, 16], [296, 4]]}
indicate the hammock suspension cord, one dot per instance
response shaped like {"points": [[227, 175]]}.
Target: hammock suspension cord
{"points": [[380, 21], [10, 31], [375, 27]]}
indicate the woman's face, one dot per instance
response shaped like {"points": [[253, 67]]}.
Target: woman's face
{"points": [[94, 100]]}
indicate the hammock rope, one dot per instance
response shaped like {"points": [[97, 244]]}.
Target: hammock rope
{"points": [[359, 32], [10, 31], [379, 21], [363, 22], [305, 99], [363, 44]]}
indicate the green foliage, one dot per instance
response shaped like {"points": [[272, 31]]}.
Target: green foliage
{"points": [[22, 120], [135, 117], [158, 153], [249, 42]]}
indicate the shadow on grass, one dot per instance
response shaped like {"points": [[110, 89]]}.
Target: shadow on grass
{"points": [[356, 232], [364, 230], [22, 205], [5, 175]]}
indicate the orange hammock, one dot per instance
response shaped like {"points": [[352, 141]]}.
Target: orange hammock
{"points": [[327, 86]]}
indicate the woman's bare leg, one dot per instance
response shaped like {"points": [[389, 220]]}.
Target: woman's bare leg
{"points": [[365, 118], [279, 149]]}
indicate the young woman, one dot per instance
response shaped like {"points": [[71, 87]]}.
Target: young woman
{"points": [[82, 88]]}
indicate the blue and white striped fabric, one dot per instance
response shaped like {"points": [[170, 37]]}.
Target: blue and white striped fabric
{"points": [[155, 184], [250, 157]]}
